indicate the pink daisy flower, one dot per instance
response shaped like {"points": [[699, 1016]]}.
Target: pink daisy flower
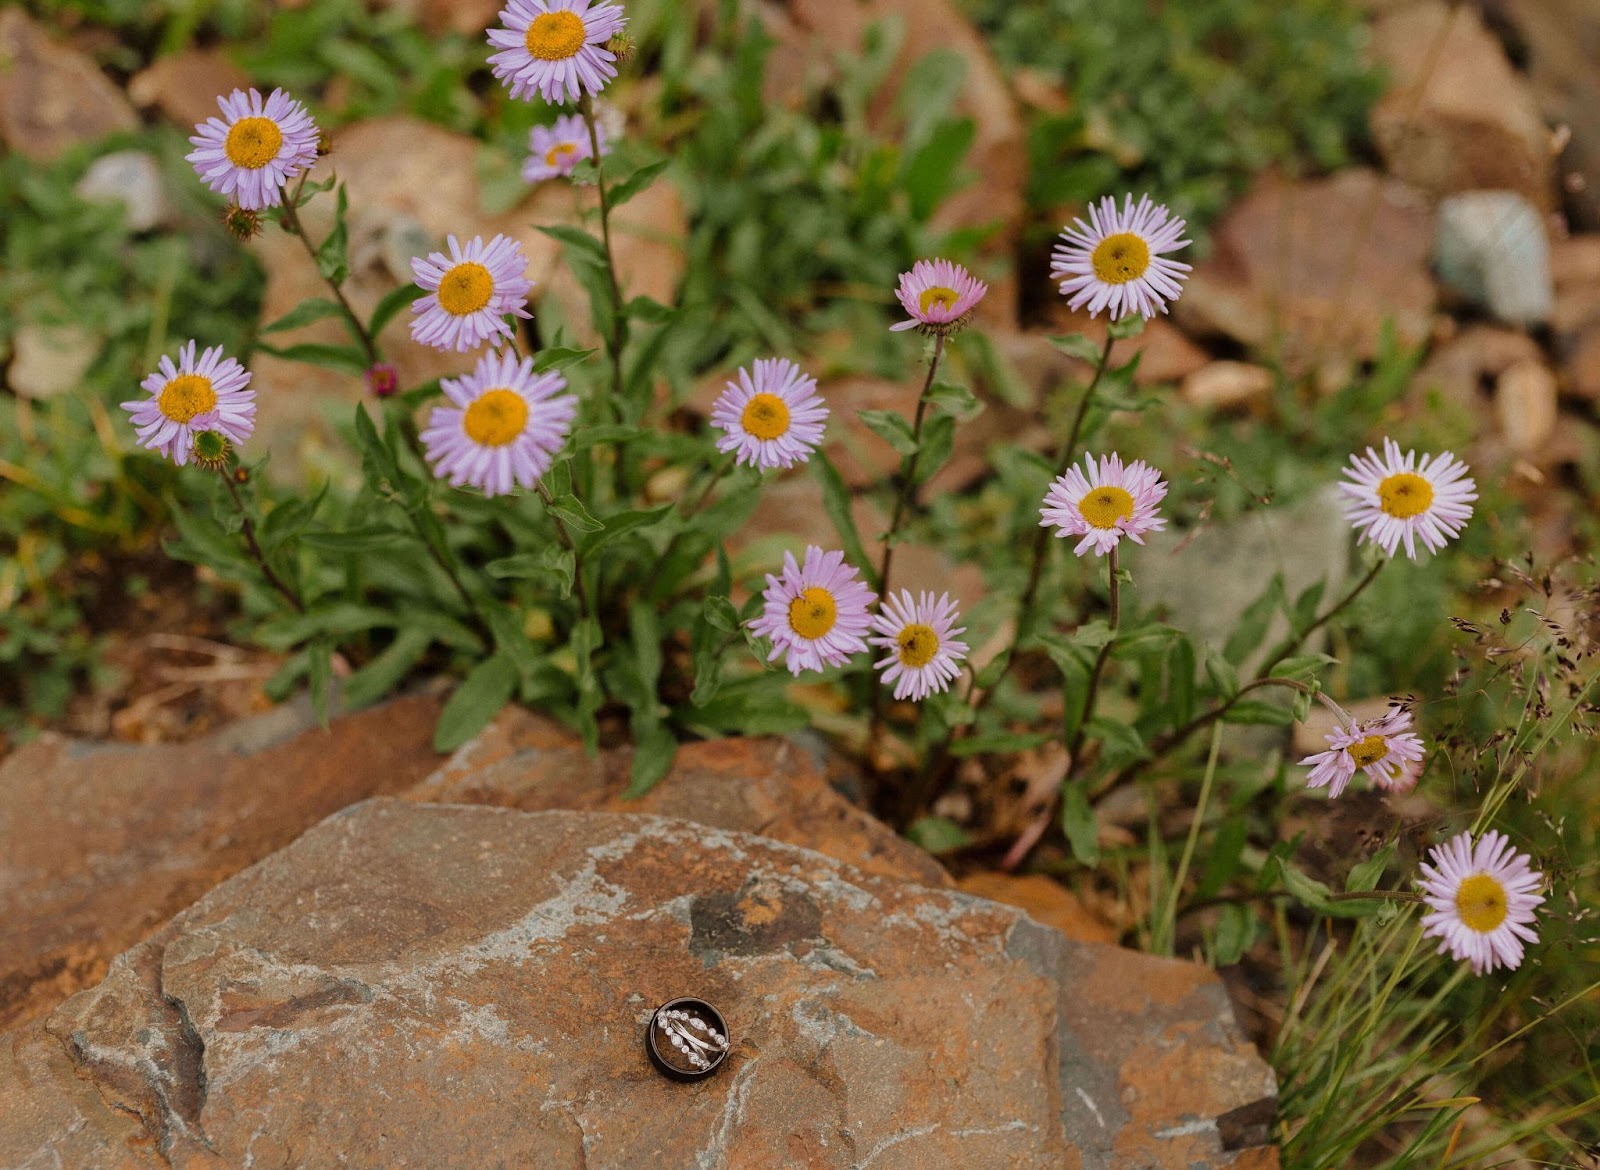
{"points": [[504, 428], [1105, 502], [1116, 261], [939, 295], [816, 612], [1481, 899], [1395, 499], [920, 637], [555, 48], [1386, 749], [470, 293], [772, 415], [190, 397], [254, 148], [555, 150]]}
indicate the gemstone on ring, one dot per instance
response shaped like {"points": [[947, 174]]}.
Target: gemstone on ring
{"points": [[687, 1039]]}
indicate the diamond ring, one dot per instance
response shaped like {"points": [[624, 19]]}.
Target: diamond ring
{"points": [[687, 1039]]}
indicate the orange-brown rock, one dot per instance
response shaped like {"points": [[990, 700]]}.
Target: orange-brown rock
{"points": [[184, 86], [1457, 117], [100, 844], [1045, 900], [444, 986], [52, 97], [766, 785], [1303, 271]]}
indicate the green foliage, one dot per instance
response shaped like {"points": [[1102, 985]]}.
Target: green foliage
{"points": [[1185, 100]]}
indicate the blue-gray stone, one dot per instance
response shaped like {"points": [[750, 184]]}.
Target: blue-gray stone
{"points": [[1490, 246]]}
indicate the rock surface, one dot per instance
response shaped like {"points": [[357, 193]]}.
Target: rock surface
{"points": [[52, 97], [1309, 270], [1457, 116], [100, 844], [1490, 247], [765, 785], [437, 986]]}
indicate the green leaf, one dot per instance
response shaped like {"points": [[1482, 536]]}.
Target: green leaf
{"points": [[1077, 345], [836, 503], [1237, 927], [720, 614], [1125, 327], [574, 515], [1121, 744], [319, 672], [358, 540], [558, 357], [388, 670], [1366, 875], [622, 523], [1221, 672], [933, 172], [938, 835], [938, 441], [1251, 627], [475, 703], [605, 433], [333, 256], [957, 401], [395, 300], [637, 182], [650, 311], [1077, 819], [652, 760], [1312, 893], [1222, 858], [1259, 712], [313, 310], [998, 743], [510, 641], [889, 426], [334, 357]]}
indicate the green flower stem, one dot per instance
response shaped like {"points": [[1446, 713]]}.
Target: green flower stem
{"points": [[619, 324], [568, 543], [908, 471], [688, 505], [267, 570], [1036, 828], [442, 558], [1166, 928], [1292, 644], [291, 217], [1165, 743]]}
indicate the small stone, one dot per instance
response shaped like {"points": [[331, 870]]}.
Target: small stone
{"points": [[1228, 385], [1457, 116], [50, 360], [1309, 269], [1490, 247], [1525, 401], [52, 97], [133, 179], [185, 86]]}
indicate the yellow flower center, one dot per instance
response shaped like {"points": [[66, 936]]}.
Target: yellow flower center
{"points": [[918, 644], [253, 143], [555, 36], [1104, 506], [937, 298], [1120, 258], [186, 396], [766, 416], [560, 154], [466, 288], [1368, 751], [813, 613], [496, 417], [1405, 495], [1481, 903]]}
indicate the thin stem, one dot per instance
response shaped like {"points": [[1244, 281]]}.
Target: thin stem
{"points": [[292, 217], [567, 542], [908, 471], [1036, 828], [687, 507], [1041, 535], [1380, 895], [1292, 644], [267, 570], [1165, 743], [1169, 922], [619, 325]]}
